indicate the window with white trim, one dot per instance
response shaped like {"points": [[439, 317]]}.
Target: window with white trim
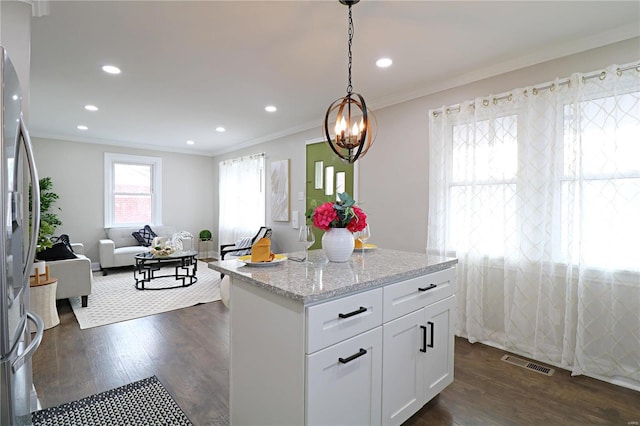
{"points": [[133, 190], [601, 170]]}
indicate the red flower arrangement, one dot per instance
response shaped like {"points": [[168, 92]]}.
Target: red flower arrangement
{"points": [[341, 214]]}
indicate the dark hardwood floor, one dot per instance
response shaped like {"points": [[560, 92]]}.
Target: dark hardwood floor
{"points": [[188, 350]]}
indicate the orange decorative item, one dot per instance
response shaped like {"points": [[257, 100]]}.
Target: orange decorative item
{"points": [[261, 251]]}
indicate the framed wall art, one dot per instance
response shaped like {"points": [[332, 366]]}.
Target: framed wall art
{"points": [[280, 190]]}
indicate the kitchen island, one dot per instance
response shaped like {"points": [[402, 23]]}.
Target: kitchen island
{"points": [[369, 341]]}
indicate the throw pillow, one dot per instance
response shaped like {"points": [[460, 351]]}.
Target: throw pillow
{"points": [[59, 251], [144, 236], [64, 238]]}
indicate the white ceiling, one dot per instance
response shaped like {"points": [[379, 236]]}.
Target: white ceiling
{"points": [[188, 67]]}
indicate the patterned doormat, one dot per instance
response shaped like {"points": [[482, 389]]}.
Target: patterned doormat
{"points": [[145, 402]]}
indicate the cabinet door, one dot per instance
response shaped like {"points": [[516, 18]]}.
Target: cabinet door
{"points": [[402, 371], [344, 382], [438, 319]]}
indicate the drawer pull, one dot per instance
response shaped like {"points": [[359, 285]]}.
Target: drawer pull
{"points": [[356, 312], [424, 339], [431, 332], [352, 357], [431, 287]]}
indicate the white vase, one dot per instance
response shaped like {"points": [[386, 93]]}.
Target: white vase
{"points": [[40, 265], [338, 244]]}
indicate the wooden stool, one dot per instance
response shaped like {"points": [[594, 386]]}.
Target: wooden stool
{"points": [[42, 298]]}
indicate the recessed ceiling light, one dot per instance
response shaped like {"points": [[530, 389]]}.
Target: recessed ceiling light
{"points": [[220, 129], [14, 97], [82, 127], [190, 142], [270, 108], [111, 69], [384, 62], [91, 107]]}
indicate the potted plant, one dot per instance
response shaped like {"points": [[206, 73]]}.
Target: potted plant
{"points": [[339, 220], [205, 235], [49, 220]]}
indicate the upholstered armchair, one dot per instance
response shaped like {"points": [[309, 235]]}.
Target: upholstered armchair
{"points": [[74, 275]]}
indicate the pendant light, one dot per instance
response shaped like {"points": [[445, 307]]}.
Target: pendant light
{"points": [[355, 125]]}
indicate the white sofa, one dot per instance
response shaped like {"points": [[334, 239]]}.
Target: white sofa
{"points": [[74, 275], [119, 248]]}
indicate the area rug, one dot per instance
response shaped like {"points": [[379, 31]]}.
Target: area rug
{"points": [[114, 297], [145, 402]]}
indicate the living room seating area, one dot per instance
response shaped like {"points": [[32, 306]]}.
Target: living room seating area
{"points": [[120, 246]]}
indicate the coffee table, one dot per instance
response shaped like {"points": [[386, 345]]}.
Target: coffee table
{"points": [[148, 265]]}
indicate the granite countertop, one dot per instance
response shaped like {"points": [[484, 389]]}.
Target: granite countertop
{"points": [[321, 279]]}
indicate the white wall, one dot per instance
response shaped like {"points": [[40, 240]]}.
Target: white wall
{"points": [[291, 147], [77, 172], [393, 176], [15, 37]]}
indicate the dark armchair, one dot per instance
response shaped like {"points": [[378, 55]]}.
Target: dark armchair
{"points": [[232, 248]]}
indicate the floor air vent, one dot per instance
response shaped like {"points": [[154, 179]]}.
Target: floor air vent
{"points": [[528, 365]]}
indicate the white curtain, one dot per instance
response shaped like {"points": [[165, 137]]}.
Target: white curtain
{"points": [[537, 193], [242, 198]]}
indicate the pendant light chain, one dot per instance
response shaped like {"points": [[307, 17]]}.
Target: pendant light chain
{"points": [[349, 86], [355, 126]]}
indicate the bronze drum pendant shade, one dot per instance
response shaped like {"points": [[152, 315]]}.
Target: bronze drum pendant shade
{"points": [[356, 126]]}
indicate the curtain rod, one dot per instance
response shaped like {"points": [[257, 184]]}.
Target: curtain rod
{"points": [[601, 75], [242, 158]]}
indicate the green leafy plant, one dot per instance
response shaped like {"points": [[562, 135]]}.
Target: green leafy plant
{"points": [[49, 220], [205, 235]]}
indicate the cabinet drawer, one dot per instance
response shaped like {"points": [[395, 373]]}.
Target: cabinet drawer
{"points": [[344, 382], [407, 296], [331, 322]]}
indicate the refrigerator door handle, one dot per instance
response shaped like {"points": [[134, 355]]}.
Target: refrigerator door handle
{"points": [[35, 196], [35, 342]]}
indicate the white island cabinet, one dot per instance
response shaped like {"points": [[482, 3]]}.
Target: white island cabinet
{"points": [[366, 342]]}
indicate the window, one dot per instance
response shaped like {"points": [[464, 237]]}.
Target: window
{"points": [[542, 177], [242, 198], [483, 184], [601, 170], [133, 188]]}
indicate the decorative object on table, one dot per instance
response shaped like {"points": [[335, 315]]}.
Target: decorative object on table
{"points": [[361, 237], [261, 251], [308, 238], [162, 247], [37, 267], [161, 251], [339, 220], [205, 235], [49, 221], [355, 128], [179, 239], [280, 191]]}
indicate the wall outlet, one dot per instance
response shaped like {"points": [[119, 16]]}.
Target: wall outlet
{"points": [[301, 196], [294, 220]]}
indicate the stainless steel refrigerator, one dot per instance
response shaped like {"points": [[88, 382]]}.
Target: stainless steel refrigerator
{"points": [[17, 250]]}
